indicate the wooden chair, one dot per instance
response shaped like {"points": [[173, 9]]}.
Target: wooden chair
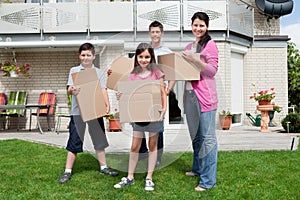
{"points": [[3, 101], [16, 101], [63, 111], [45, 108]]}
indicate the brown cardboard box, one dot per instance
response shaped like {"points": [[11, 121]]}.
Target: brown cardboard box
{"points": [[121, 68], [140, 100], [175, 67], [90, 98]]}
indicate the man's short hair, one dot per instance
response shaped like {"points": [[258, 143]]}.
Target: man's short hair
{"points": [[156, 24], [87, 46]]}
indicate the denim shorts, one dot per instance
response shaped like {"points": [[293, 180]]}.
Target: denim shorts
{"points": [[153, 127]]}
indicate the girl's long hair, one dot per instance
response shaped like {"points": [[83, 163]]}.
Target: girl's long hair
{"points": [[140, 49], [206, 37]]}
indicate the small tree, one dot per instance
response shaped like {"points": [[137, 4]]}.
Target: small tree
{"points": [[293, 75]]}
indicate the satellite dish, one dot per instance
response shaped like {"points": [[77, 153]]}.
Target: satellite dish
{"points": [[275, 8]]}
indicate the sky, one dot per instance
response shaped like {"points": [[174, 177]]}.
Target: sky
{"points": [[290, 24]]}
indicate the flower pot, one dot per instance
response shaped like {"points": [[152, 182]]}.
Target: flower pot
{"points": [[13, 74], [115, 125], [225, 122], [271, 116], [264, 102]]}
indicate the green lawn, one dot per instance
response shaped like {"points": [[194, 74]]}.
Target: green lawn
{"points": [[31, 171]]}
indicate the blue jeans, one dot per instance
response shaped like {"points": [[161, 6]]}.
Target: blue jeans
{"points": [[201, 126]]}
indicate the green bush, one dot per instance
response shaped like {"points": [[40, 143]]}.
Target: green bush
{"points": [[294, 125]]}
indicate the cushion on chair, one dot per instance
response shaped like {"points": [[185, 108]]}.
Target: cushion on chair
{"points": [[47, 98], [16, 98], [3, 100]]}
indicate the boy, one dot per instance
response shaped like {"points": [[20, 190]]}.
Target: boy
{"points": [[77, 126]]}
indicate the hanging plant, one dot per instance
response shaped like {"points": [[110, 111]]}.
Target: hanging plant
{"points": [[10, 67]]}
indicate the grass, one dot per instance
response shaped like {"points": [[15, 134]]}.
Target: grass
{"points": [[31, 171]]}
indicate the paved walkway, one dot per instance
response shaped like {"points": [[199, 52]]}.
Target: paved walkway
{"points": [[237, 138]]}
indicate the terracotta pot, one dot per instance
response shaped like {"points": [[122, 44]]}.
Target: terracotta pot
{"points": [[115, 125], [264, 102], [225, 122]]}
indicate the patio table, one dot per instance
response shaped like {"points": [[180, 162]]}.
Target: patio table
{"points": [[38, 107], [16, 107]]}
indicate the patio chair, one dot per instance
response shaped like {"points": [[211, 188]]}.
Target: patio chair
{"points": [[16, 101], [3, 101], [63, 111], [45, 108]]}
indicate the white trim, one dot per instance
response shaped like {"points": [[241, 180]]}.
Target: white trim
{"points": [[270, 44], [239, 48], [62, 43]]}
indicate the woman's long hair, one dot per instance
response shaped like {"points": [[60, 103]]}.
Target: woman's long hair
{"points": [[140, 49], [206, 37]]}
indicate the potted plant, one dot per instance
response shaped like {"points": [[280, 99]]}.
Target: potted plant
{"points": [[271, 113], [264, 97], [114, 122], [12, 69], [225, 119]]}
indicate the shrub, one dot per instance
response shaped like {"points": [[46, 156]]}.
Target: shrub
{"points": [[294, 125]]}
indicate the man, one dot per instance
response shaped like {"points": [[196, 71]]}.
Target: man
{"points": [[156, 31]]}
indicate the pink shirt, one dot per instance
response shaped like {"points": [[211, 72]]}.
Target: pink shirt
{"points": [[155, 75], [205, 88]]}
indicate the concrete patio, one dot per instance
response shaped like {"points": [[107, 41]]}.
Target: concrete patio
{"points": [[175, 140]]}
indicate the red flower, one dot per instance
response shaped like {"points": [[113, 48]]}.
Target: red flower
{"points": [[264, 95]]}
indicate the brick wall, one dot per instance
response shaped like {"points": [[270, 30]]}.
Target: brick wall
{"points": [[262, 26], [49, 70], [266, 67], [224, 76]]}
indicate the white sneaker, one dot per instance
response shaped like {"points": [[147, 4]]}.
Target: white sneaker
{"points": [[124, 181], [149, 185]]}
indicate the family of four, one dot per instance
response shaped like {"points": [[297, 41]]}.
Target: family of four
{"points": [[200, 105]]}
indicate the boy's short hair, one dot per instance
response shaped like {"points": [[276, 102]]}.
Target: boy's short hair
{"points": [[156, 24], [87, 46]]}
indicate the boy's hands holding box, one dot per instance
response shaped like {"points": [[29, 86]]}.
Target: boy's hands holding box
{"points": [[89, 94]]}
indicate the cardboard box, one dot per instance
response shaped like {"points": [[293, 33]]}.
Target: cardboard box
{"points": [[175, 67], [90, 98], [140, 100], [121, 68]]}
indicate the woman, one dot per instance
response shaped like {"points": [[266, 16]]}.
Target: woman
{"points": [[201, 103]]}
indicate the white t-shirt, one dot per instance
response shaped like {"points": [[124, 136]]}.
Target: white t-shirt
{"points": [[75, 108]]}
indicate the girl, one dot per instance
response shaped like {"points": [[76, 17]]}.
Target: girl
{"points": [[201, 114], [145, 69]]}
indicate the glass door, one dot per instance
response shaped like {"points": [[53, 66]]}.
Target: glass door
{"points": [[175, 117]]}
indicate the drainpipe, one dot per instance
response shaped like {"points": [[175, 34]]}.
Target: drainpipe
{"points": [[181, 19], [41, 20], [134, 19], [227, 18], [88, 22]]}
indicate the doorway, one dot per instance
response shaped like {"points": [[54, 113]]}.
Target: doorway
{"points": [[237, 66]]}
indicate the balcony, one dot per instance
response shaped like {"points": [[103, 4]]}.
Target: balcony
{"points": [[20, 22]]}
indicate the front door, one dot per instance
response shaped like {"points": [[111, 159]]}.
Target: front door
{"points": [[175, 117], [237, 65]]}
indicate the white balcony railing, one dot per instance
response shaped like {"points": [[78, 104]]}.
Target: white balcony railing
{"points": [[121, 16]]}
